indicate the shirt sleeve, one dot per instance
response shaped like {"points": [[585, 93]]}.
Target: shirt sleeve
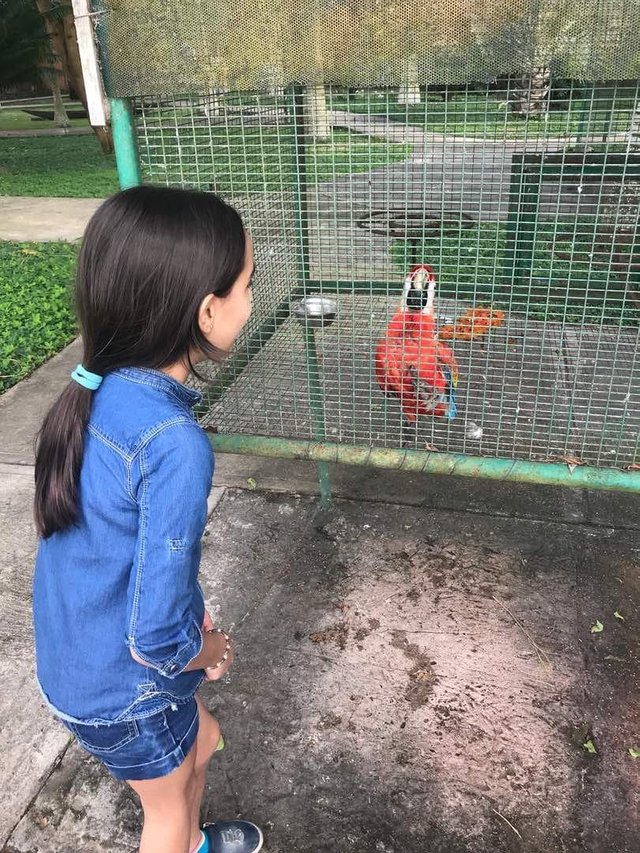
{"points": [[174, 476]]}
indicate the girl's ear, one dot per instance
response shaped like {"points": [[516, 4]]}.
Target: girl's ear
{"points": [[206, 314]]}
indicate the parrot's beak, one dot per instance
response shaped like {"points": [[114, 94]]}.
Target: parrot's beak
{"points": [[416, 300], [419, 289]]}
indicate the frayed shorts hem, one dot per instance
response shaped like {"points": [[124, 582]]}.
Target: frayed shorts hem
{"points": [[147, 748]]}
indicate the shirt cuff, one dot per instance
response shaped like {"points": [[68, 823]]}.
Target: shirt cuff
{"points": [[184, 654]]}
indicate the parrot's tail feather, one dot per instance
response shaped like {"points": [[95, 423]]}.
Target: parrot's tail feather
{"points": [[452, 380]]}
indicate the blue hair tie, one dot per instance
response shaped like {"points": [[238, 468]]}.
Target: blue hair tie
{"points": [[88, 380]]}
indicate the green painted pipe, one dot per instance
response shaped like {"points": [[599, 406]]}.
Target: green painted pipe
{"points": [[296, 106], [125, 144], [424, 462], [316, 407]]}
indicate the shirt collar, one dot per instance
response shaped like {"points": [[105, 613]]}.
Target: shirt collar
{"points": [[163, 382]]}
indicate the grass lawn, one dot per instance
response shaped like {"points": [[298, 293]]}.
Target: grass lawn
{"points": [[36, 315], [566, 284], [67, 166], [20, 120], [233, 160], [238, 160], [488, 114]]}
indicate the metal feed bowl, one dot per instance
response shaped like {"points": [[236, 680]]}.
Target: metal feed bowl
{"points": [[315, 312]]}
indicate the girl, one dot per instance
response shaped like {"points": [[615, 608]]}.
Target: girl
{"points": [[123, 472]]}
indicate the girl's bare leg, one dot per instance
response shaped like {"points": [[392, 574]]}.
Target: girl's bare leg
{"points": [[171, 804], [167, 806], [205, 746]]}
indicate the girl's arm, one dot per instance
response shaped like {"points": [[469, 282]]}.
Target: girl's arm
{"points": [[173, 475]]}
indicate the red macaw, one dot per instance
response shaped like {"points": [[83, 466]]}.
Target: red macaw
{"points": [[410, 362]]}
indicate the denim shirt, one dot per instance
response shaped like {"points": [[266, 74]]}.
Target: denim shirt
{"points": [[125, 576]]}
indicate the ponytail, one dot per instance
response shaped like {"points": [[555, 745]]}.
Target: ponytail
{"points": [[59, 451]]}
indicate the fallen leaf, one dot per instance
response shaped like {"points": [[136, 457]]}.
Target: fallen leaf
{"points": [[619, 616], [616, 658], [597, 628], [422, 676], [29, 251], [572, 462], [570, 459], [251, 483], [635, 466], [634, 753], [431, 447], [588, 745]]}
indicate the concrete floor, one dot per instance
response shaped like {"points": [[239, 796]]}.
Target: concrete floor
{"points": [[416, 669], [544, 391]]}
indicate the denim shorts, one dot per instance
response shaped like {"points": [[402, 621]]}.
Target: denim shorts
{"points": [[146, 748]]}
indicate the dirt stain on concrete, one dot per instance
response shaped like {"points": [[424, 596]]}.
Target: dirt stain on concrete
{"points": [[422, 676]]}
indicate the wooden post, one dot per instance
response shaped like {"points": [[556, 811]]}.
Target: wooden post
{"points": [[96, 101]]}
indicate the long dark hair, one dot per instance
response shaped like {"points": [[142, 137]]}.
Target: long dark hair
{"points": [[150, 255]]}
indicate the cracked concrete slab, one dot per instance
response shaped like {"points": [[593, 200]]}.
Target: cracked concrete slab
{"points": [[407, 680], [30, 742]]}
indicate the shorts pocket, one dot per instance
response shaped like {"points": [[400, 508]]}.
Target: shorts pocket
{"points": [[104, 739]]}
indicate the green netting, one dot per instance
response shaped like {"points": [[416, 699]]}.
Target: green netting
{"points": [[164, 46], [524, 198]]}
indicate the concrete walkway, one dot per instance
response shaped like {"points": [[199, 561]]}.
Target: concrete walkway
{"points": [[42, 219], [416, 669], [46, 131]]}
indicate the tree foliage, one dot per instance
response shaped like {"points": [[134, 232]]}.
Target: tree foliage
{"points": [[23, 42]]}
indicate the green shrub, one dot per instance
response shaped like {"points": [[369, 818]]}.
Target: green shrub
{"points": [[36, 313]]}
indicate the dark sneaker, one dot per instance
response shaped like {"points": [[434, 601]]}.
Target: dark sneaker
{"points": [[233, 836]]}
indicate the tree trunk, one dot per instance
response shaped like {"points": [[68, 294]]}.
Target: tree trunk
{"points": [[317, 114], [52, 76], [531, 97], [60, 117], [409, 92], [64, 46], [212, 103]]}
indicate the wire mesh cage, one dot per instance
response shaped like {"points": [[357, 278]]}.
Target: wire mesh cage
{"points": [[518, 195]]}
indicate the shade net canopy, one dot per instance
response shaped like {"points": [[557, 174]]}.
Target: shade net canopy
{"points": [[164, 46]]}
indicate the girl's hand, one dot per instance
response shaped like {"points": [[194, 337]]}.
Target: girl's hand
{"points": [[215, 673]]}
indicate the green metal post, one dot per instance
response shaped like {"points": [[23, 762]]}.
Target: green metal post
{"points": [[510, 266], [532, 185], [296, 104], [316, 408], [296, 107], [125, 144], [524, 201], [431, 462]]}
